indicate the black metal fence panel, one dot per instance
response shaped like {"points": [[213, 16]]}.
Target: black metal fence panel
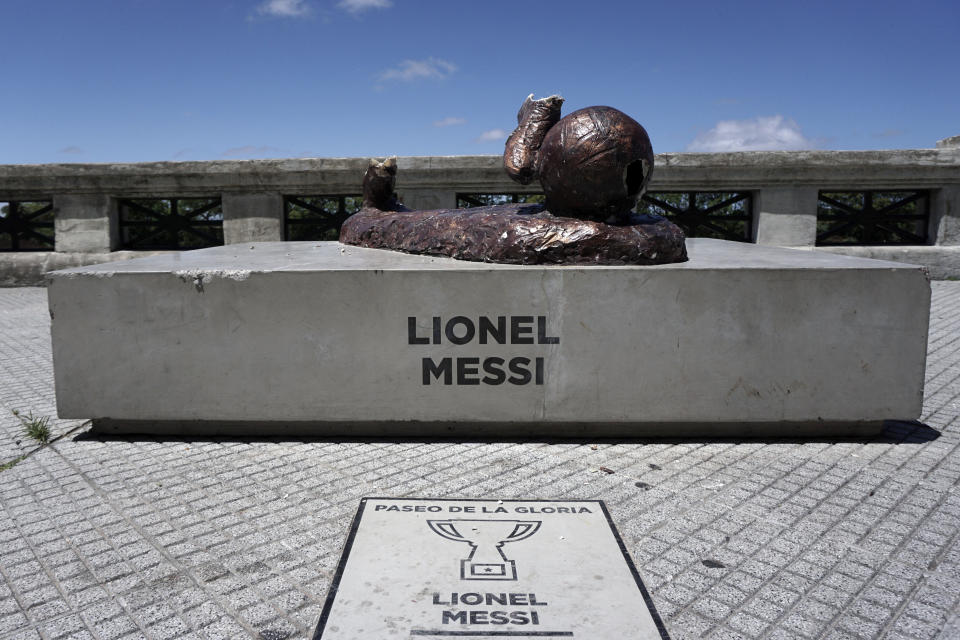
{"points": [[317, 217], [727, 215], [467, 200], [26, 226], [153, 224], [873, 218]]}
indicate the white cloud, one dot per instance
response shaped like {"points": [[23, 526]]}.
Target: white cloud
{"points": [[249, 150], [284, 8], [358, 6], [771, 133], [409, 70], [71, 150], [493, 135], [449, 122]]}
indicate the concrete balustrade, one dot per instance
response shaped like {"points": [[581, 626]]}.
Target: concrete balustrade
{"points": [[784, 186]]}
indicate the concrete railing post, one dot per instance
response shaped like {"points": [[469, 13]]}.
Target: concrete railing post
{"points": [[428, 198], [252, 217], [945, 215], [85, 223], [786, 216]]}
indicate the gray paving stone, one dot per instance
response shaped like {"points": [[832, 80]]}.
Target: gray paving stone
{"points": [[63, 627], [172, 627], [711, 609], [727, 634], [25, 634], [115, 627], [689, 625], [749, 625], [915, 628], [860, 626], [12, 622], [226, 628]]}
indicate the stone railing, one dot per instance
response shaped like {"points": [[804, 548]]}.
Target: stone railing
{"points": [[784, 186]]}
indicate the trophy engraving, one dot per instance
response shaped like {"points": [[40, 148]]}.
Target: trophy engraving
{"points": [[486, 539]]}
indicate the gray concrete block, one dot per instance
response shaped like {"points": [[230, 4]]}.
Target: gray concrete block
{"points": [[786, 216], [427, 198], [307, 334], [945, 215], [85, 223], [252, 217]]}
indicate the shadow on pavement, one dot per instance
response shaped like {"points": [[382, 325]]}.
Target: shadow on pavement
{"points": [[893, 432]]}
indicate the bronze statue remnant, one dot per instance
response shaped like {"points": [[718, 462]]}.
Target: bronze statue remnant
{"points": [[593, 165]]}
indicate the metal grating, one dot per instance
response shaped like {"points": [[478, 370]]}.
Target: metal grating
{"points": [[317, 217], [704, 214], [467, 200], [873, 217], [170, 223], [26, 226]]}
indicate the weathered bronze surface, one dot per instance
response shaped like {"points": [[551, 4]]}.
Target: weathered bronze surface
{"points": [[534, 120], [594, 165], [516, 234], [378, 184]]}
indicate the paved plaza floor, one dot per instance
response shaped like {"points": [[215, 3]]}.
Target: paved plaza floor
{"points": [[148, 537]]}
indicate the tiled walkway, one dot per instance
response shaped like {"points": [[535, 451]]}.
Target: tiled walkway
{"points": [[163, 538]]}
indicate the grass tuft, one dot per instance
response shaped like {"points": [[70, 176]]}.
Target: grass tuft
{"points": [[35, 427], [10, 464]]}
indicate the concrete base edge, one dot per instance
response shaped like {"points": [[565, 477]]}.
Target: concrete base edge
{"points": [[29, 268], [942, 262], [486, 430]]}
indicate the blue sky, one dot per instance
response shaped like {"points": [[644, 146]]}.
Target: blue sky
{"points": [[152, 80]]}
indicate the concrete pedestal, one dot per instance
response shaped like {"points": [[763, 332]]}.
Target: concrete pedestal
{"points": [[319, 338]]}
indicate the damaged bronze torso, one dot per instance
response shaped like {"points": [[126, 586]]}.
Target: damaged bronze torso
{"points": [[593, 164]]}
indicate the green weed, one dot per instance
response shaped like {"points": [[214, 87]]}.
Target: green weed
{"points": [[10, 464], [35, 427]]}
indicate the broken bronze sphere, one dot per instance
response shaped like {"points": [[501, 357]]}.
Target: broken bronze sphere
{"points": [[594, 165]]}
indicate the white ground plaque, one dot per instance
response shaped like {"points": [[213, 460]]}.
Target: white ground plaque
{"points": [[442, 568]]}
